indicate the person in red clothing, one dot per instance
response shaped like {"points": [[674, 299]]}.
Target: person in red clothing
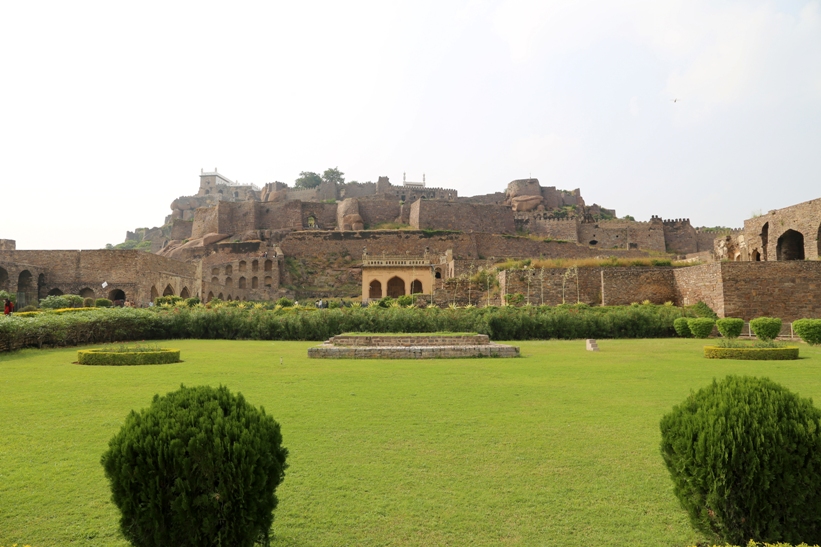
{"points": [[8, 307]]}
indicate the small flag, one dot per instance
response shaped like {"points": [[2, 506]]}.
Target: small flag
{"points": [[105, 284]]}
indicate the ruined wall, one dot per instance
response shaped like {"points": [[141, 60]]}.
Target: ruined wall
{"points": [[280, 216], [324, 215], [356, 190], [539, 223], [623, 286], [680, 237], [497, 198], [789, 290], [623, 234], [7, 244], [552, 288], [377, 210], [438, 215], [181, 229], [309, 194], [803, 218], [206, 221], [241, 275], [700, 283]]}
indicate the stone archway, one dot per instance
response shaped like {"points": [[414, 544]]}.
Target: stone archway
{"points": [[765, 240], [87, 292], [790, 246], [117, 296], [438, 273], [219, 296], [375, 289], [169, 291], [55, 292], [154, 293], [396, 287], [184, 293], [241, 283], [26, 291], [210, 296], [254, 282], [416, 287], [229, 282], [756, 256], [4, 280]]}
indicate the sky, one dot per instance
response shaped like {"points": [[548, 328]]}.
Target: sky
{"points": [[109, 110]]}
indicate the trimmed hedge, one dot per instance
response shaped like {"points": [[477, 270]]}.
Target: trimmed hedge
{"points": [[744, 455], [682, 329], [701, 327], [809, 330], [730, 327], [110, 357], [231, 323], [751, 354], [766, 328]]}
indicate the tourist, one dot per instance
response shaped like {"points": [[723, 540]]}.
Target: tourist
{"points": [[8, 307]]}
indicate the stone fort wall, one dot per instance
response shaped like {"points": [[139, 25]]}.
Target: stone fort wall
{"points": [[467, 217]]}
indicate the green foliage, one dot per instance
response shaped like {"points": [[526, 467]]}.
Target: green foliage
{"points": [[730, 327], [171, 300], [54, 302], [4, 295], [766, 328], [751, 353], [700, 309], [88, 302], [307, 179], [628, 217], [701, 327], [405, 300], [102, 303], [200, 466], [28, 308], [744, 455], [191, 302], [112, 357], [809, 330], [333, 174], [682, 329], [285, 302]]}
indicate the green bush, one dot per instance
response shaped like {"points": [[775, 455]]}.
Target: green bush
{"points": [[730, 327], [701, 327], [200, 466], [74, 300], [102, 303], [159, 356], [700, 309], [809, 330], [28, 308], [170, 299], [191, 302], [55, 302], [751, 353], [4, 295], [88, 302], [285, 302], [405, 300], [681, 327], [766, 328], [744, 455]]}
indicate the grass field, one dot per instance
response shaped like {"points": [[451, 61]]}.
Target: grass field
{"points": [[559, 447]]}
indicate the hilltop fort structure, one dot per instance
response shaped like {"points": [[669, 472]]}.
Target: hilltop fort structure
{"points": [[250, 242]]}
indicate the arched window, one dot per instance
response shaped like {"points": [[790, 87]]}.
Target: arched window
{"points": [[215, 280], [375, 289], [229, 282], [255, 266], [184, 293], [790, 246], [242, 265], [269, 265], [169, 291], [241, 283], [416, 287], [438, 273], [396, 287], [229, 270], [215, 271], [269, 281], [154, 293], [254, 282], [55, 292]]}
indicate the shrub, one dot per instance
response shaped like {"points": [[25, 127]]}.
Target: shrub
{"points": [[198, 467], [700, 309], [54, 302], [28, 308], [4, 295], [285, 302], [744, 455], [405, 300], [701, 327], [74, 300], [748, 353], [681, 327], [113, 357], [766, 328], [809, 330], [88, 302], [170, 300], [102, 303], [730, 327], [191, 302]]}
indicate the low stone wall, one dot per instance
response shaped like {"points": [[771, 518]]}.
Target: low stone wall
{"points": [[410, 340], [328, 351]]}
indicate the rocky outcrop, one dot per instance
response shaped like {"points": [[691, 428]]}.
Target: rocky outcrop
{"points": [[347, 212], [523, 187], [526, 203]]}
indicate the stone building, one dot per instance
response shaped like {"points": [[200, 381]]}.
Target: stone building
{"points": [[395, 276]]}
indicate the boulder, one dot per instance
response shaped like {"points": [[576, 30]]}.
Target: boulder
{"points": [[352, 222], [346, 208], [526, 203], [523, 187], [208, 239]]}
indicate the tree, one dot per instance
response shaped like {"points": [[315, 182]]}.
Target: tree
{"points": [[333, 174], [308, 179], [629, 217]]}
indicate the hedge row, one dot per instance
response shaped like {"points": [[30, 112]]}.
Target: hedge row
{"points": [[114, 358], [751, 354], [504, 323]]}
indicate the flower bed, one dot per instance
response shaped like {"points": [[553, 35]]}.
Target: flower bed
{"points": [[128, 356], [751, 353]]}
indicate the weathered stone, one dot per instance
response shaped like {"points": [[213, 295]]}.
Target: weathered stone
{"points": [[526, 203], [208, 239]]}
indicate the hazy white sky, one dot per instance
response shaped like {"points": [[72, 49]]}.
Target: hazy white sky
{"points": [[108, 110]]}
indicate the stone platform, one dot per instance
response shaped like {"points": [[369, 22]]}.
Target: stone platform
{"points": [[411, 346]]}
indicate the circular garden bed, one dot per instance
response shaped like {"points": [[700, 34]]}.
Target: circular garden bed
{"points": [[751, 354], [128, 356]]}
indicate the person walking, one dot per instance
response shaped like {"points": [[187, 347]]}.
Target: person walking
{"points": [[8, 307]]}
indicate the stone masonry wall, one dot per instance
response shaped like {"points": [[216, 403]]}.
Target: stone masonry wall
{"points": [[623, 286], [7, 244], [377, 210], [623, 234], [789, 290], [551, 288], [467, 217], [700, 283], [804, 218], [182, 229], [538, 223], [680, 237]]}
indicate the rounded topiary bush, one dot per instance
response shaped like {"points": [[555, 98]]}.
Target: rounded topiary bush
{"points": [[701, 327], [198, 467], [745, 458], [102, 303], [681, 328], [809, 330], [766, 328], [285, 302], [88, 302], [730, 327]]}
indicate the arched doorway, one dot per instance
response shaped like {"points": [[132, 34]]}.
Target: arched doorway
{"points": [[269, 265], [230, 297], [25, 289], [219, 296], [396, 287], [168, 291], [229, 270], [210, 296], [87, 293], [241, 283], [416, 287], [184, 293], [55, 292], [229, 282], [154, 293], [756, 257], [117, 297], [790, 246], [4, 280], [269, 281], [765, 239], [375, 289], [438, 273]]}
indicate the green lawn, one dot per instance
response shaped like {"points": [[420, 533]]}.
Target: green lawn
{"points": [[559, 447]]}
